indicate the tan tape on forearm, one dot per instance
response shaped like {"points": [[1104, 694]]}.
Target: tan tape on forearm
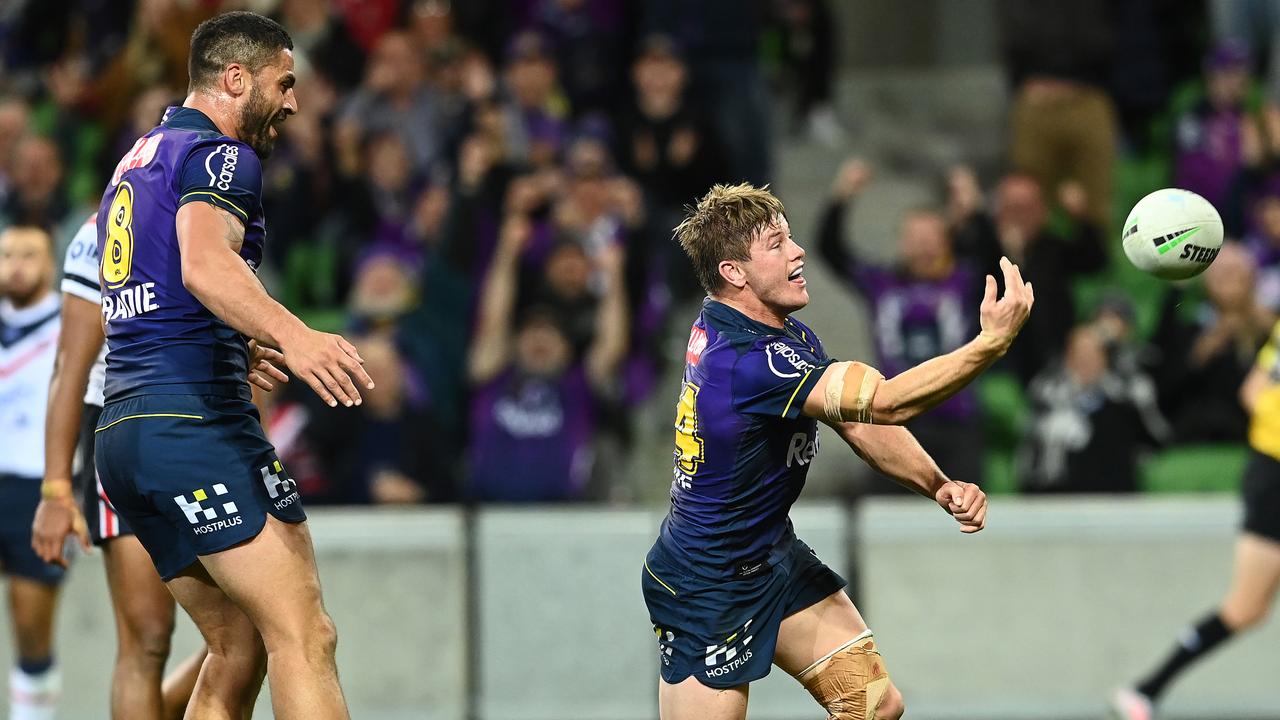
{"points": [[850, 392]]}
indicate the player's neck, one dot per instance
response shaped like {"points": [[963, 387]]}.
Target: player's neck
{"points": [[220, 110], [753, 308]]}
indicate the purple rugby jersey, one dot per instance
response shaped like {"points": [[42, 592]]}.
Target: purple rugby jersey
{"points": [[742, 447], [160, 338], [916, 320], [531, 437], [1208, 157]]}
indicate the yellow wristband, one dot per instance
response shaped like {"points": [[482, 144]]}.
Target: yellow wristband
{"points": [[55, 490]]}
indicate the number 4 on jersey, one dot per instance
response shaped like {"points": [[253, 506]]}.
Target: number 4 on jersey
{"points": [[688, 444]]}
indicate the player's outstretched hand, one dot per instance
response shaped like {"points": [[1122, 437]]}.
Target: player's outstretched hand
{"points": [[965, 502], [56, 519], [328, 364], [264, 366], [1002, 319]]}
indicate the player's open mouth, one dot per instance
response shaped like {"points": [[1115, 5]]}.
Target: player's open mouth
{"points": [[797, 276]]}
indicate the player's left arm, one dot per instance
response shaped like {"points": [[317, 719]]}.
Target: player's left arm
{"points": [[209, 239], [213, 213], [58, 516], [894, 451]]}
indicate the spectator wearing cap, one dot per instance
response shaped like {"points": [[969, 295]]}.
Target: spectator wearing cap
{"points": [[534, 405], [667, 144], [420, 308], [536, 111], [1217, 136]]}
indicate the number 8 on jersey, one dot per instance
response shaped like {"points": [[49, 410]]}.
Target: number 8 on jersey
{"points": [[117, 256]]}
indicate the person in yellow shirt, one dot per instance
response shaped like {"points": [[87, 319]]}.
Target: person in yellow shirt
{"points": [[1255, 574]]}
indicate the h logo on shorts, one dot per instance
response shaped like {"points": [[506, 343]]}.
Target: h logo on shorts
{"points": [[197, 513], [717, 654], [276, 485]]}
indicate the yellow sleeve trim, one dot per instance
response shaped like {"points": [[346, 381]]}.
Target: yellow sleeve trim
{"points": [[792, 399], [655, 577], [147, 415], [240, 212]]}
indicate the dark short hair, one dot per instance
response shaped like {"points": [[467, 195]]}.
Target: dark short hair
{"points": [[234, 37], [34, 227]]}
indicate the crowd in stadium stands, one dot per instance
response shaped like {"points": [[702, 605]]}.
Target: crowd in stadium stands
{"points": [[481, 195]]}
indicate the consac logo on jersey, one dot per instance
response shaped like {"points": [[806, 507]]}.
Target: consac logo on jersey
{"points": [[230, 157], [779, 349]]}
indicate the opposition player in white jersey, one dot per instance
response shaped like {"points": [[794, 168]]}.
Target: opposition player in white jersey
{"points": [[28, 340], [143, 607]]}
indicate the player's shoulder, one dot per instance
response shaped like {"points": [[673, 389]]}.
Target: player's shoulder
{"points": [[82, 251], [213, 167], [80, 264], [737, 342], [202, 143]]}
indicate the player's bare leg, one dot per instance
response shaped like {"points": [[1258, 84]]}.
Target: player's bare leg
{"points": [[177, 687], [1255, 578], [231, 674], [807, 639], [691, 700], [278, 566], [144, 613], [31, 610]]}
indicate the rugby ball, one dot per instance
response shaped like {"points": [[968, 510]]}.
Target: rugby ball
{"points": [[1173, 234]]}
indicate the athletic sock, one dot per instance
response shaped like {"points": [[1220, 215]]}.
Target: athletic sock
{"points": [[35, 666], [1194, 643], [34, 696]]}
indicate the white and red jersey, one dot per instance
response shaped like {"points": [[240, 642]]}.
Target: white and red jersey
{"points": [[80, 278], [28, 346]]}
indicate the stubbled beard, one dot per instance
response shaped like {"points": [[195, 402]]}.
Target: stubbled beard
{"points": [[24, 297], [255, 124]]}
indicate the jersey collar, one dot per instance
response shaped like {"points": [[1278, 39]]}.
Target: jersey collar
{"points": [[722, 313], [33, 315], [185, 118]]}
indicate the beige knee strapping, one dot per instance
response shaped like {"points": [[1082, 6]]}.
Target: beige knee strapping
{"points": [[850, 682]]}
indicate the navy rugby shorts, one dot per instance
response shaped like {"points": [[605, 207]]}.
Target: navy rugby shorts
{"points": [[19, 497], [99, 514], [191, 474], [724, 632]]}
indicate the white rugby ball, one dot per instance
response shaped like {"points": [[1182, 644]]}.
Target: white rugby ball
{"points": [[1173, 234]]}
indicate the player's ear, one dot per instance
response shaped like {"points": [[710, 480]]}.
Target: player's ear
{"points": [[733, 273], [235, 79]]}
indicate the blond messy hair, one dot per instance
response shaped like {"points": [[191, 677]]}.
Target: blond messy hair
{"points": [[721, 227]]}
